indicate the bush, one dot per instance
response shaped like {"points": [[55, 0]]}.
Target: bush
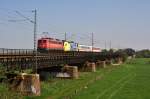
{"points": [[143, 53], [2, 73], [122, 54], [5, 93]]}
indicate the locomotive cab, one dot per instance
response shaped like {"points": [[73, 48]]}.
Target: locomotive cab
{"points": [[42, 44], [46, 44]]}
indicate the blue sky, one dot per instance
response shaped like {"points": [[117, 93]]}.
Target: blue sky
{"points": [[126, 23]]}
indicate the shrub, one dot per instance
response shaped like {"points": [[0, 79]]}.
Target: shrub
{"points": [[5, 93]]}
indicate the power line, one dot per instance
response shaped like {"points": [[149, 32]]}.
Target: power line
{"points": [[16, 20], [7, 16], [3, 23], [25, 17], [8, 13], [35, 32]]}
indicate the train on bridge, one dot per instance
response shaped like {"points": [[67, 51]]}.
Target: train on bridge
{"points": [[51, 52], [46, 43]]}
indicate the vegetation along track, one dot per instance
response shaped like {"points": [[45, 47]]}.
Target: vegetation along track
{"points": [[127, 81]]}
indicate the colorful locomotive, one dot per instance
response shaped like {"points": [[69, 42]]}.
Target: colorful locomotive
{"points": [[50, 43], [70, 46], [56, 44]]}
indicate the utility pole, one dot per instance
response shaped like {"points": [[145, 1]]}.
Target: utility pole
{"points": [[35, 34], [35, 38], [105, 45], [65, 36], [92, 41], [92, 46], [110, 44]]}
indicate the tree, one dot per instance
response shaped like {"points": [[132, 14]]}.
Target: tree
{"points": [[145, 53], [129, 51]]}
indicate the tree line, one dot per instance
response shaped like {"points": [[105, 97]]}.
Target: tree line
{"points": [[145, 53]]}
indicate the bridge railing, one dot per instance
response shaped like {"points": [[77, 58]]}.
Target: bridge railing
{"points": [[5, 51]]}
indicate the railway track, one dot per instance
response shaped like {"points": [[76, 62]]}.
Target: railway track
{"points": [[25, 58]]}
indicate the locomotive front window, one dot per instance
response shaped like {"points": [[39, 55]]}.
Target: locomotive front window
{"points": [[44, 41], [39, 41]]}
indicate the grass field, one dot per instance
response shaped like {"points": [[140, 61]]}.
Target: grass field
{"points": [[131, 81], [128, 81]]}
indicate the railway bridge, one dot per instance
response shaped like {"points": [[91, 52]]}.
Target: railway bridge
{"points": [[26, 58]]}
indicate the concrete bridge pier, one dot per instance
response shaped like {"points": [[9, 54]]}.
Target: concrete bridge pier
{"points": [[119, 60], [90, 67], [72, 71], [101, 64], [26, 84], [109, 62]]}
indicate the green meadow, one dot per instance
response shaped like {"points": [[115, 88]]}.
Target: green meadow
{"points": [[130, 80]]}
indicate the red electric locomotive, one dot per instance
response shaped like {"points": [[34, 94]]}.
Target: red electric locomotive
{"points": [[50, 44]]}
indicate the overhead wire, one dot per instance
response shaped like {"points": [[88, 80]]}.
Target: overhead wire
{"points": [[24, 16], [80, 37], [8, 13], [8, 16]]}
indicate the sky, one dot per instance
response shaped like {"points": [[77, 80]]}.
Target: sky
{"points": [[114, 23]]}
